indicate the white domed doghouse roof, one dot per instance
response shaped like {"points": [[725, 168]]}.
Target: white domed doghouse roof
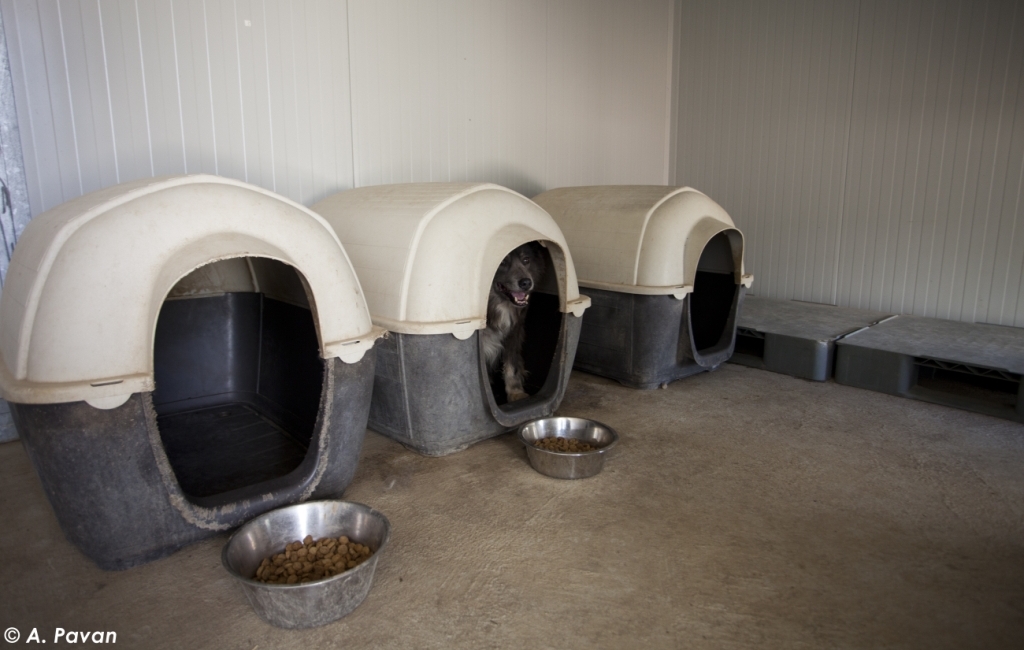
{"points": [[426, 253], [88, 278], [641, 239]]}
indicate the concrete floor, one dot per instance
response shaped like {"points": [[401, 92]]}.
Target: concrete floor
{"points": [[741, 509]]}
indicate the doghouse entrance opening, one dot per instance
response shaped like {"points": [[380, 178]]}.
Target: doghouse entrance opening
{"points": [[543, 327], [713, 297], [238, 375]]}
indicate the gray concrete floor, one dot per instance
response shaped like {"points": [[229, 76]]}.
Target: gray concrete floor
{"points": [[741, 509]]}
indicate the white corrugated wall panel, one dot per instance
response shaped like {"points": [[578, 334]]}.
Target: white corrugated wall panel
{"points": [[763, 95], [529, 94], [937, 108], [872, 151], [126, 100], [112, 91]]}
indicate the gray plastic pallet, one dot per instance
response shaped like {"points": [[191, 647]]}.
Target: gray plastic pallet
{"points": [[970, 366], [795, 338]]}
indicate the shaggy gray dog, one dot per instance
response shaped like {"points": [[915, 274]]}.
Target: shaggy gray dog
{"points": [[517, 276]]}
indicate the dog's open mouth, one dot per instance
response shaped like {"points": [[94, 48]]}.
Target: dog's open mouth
{"points": [[518, 298]]}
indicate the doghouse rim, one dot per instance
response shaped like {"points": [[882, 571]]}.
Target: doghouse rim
{"points": [[56, 232], [679, 291], [463, 329], [650, 234], [421, 215]]}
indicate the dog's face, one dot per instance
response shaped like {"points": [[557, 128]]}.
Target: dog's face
{"points": [[518, 274]]}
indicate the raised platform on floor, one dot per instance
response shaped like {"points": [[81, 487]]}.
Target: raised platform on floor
{"points": [[795, 338], [965, 365]]}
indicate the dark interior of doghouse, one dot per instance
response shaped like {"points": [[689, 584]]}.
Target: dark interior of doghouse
{"points": [[714, 291], [238, 375], [543, 328]]}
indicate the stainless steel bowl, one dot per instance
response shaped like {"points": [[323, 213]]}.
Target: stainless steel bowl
{"points": [[568, 465], [313, 603]]}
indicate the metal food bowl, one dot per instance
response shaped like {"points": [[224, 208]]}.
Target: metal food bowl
{"points": [[567, 464], [314, 603]]}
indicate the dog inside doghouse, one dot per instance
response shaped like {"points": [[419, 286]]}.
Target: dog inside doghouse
{"points": [[238, 375], [524, 323]]}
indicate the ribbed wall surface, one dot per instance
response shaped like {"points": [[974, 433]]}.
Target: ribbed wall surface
{"points": [[527, 94], [871, 151], [113, 91]]}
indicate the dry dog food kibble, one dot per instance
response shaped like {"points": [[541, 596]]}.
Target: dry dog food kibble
{"points": [[310, 560], [565, 445]]}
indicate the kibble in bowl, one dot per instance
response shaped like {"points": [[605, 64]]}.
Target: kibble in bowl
{"points": [[564, 445], [570, 448], [307, 588], [309, 560]]}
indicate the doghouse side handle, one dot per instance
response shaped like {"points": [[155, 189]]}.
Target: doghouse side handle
{"points": [[578, 306]]}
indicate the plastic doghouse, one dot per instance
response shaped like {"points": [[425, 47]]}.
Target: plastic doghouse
{"points": [[180, 355], [426, 254], [664, 268]]}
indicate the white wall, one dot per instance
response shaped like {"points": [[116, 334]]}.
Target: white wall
{"points": [[113, 91], [871, 151], [307, 97]]}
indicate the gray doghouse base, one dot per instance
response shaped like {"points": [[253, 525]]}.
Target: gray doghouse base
{"points": [[432, 392], [106, 474], [646, 341], [969, 366], [795, 338]]}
